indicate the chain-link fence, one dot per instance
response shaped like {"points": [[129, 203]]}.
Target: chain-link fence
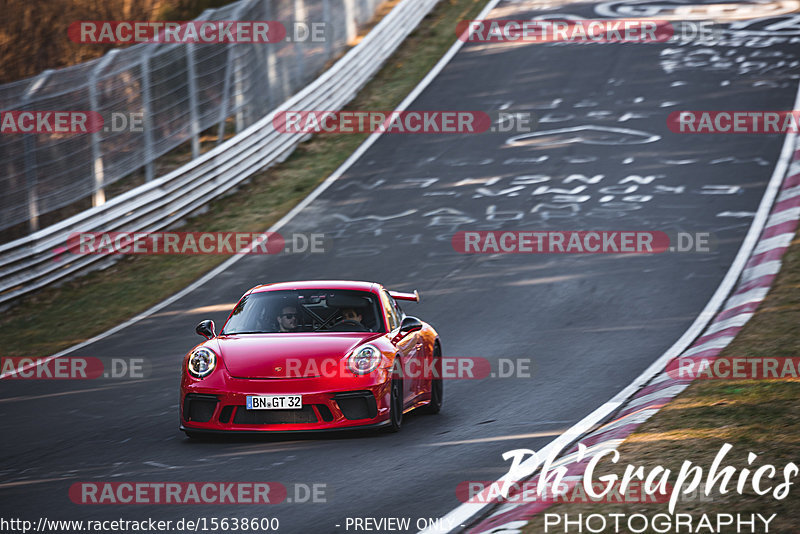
{"points": [[40, 259], [177, 90]]}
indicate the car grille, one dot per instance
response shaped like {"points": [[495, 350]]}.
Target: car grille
{"points": [[243, 416]]}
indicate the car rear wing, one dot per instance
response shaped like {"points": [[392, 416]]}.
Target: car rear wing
{"points": [[399, 295]]}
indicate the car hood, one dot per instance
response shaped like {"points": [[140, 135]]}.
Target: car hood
{"points": [[285, 355]]}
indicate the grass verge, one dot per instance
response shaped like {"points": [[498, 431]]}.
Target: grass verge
{"points": [[758, 416], [55, 318]]}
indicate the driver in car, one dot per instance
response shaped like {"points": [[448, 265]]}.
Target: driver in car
{"points": [[287, 319]]}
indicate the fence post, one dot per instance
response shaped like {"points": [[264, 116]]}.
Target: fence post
{"points": [[194, 126], [350, 21], [226, 93], [29, 144], [98, 173], [149, 154], [226, 87], [271, 66], [299, 59], [326, 20], [239, 101], [238, 94]]}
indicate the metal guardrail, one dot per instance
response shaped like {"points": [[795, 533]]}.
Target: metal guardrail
{"points": [[32, 262], [176, 90]]}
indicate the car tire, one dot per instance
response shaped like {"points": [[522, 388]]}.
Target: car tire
{"points": [[196, 436], [437, 389], [396, 405]]}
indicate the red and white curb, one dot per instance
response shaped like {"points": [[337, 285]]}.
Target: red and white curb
{"points": [[755, 281]]}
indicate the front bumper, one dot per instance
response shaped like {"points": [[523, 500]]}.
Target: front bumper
{"points": [[220, 405]]}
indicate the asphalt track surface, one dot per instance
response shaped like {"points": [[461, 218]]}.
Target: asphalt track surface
{"points": [[588, 323]]}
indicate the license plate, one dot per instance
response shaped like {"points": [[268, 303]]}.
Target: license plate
{"points": [[274, 402]]}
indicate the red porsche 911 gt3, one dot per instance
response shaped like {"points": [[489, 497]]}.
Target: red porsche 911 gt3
{"points": [[305, 356]]}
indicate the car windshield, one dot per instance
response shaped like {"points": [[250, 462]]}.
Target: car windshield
{"points": [[310, 310]]}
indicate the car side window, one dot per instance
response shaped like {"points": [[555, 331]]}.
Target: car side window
{"points": [[398, 310], [391, 310]]}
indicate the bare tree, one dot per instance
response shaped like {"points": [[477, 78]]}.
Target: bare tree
{"points": [[34, 36]]}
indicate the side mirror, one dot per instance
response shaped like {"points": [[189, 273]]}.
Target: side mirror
{"points": [[409, 324], [205, 329]]}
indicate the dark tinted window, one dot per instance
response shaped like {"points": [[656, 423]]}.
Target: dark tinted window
{"points": [[312, 310]]}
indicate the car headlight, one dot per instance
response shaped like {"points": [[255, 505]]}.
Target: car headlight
{"points": [[364, 360], [201, 362]]}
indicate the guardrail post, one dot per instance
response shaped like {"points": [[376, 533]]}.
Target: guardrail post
{"points": [[98, 173], [194, 126], [149, 154], [29, 145]]}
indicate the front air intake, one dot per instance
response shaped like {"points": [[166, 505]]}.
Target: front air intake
{"points": [[199, 408], [357, 404]]}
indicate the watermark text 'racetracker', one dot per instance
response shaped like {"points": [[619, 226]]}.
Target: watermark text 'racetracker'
{"points": [[411, 122], [104, 243], [734, 122], [195, 31]]}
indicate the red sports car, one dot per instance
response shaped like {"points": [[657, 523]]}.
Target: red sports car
{"points": [[303, 356]]}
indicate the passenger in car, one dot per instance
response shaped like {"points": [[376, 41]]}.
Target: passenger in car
{"points": [[351, 314]]}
